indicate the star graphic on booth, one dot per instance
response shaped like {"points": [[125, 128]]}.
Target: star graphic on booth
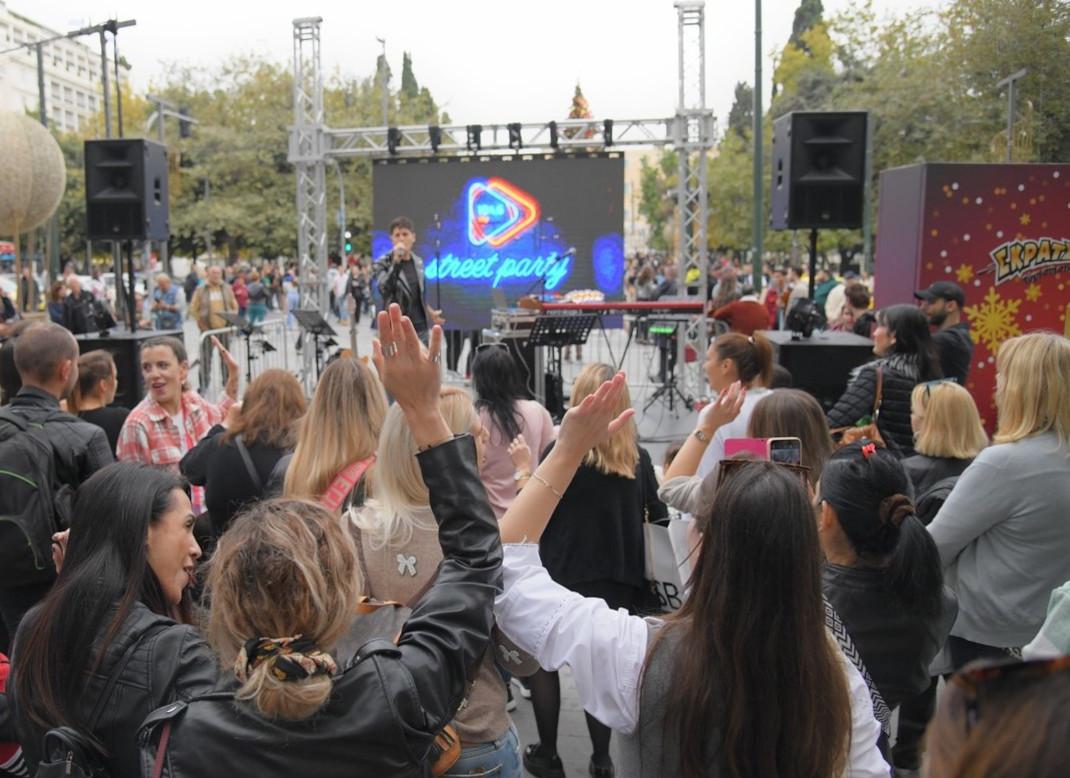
{"points": [[994, 320], [1033, 292], [964, 274], [1024, 219]]}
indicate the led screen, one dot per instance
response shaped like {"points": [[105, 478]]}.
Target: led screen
{"points": [[506, 223]]}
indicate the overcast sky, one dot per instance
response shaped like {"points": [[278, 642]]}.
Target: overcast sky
{"points": [[489, 62]]}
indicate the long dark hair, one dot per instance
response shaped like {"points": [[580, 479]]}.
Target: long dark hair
{"points": [[754, 662], [106, 570], [871, 494], [498, 386], [912, 336]]}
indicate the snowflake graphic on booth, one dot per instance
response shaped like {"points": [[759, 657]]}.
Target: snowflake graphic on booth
{"points": [[994, 320]]}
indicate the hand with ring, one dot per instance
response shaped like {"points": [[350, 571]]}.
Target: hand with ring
{"points": [[411, 374]]}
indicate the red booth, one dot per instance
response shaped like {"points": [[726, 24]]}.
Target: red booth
{"points": [[1002, 232]]}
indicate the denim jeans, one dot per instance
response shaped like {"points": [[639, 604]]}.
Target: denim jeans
{"points": [[499, 758]]}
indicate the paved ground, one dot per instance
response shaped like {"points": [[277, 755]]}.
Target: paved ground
{"points": [[573, 742]]}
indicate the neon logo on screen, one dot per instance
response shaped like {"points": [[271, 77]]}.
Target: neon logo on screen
{"points": [[498, 212]]}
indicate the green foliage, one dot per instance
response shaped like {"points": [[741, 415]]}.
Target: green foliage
{"points": [[657, 185], [807, 16], [408, 80], [741, 117]]}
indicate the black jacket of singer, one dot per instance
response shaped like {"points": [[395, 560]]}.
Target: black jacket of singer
{"points": [[387, 704]]}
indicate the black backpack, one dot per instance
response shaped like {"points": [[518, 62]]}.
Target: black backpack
{"points": [[33, 505], [930, 503]]}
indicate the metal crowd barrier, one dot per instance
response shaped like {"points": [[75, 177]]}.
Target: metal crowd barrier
{"points": [[271, 347]]}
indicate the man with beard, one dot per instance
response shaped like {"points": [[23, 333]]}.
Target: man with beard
{"points": [[942, 302]]}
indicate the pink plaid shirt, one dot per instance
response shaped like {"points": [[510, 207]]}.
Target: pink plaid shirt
{"points": [[149, 435]]}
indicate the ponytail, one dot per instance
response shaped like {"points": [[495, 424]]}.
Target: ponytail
{"points": [[872, 496], [914, 572], [287, 678], [753, 356]]}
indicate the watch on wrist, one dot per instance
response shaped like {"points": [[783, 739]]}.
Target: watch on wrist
{"points": [[520, 475], [702, 436]]}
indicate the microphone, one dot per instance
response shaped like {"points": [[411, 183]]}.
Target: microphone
{"points": [[570, 253]]}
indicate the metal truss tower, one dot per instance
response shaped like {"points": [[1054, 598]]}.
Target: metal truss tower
{"points": [[308, 155], [693, 138]]}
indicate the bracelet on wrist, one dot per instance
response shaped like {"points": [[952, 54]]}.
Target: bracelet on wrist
{"points": [[547, 484]]}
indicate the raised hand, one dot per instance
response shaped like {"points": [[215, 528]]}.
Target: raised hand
{"points": [[595, 419], [233, 371], [411, 374], [520, 453], [724, 409]]}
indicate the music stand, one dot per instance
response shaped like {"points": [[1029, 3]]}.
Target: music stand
{"points": [[558, 331], [312, 322], [246, 329]]}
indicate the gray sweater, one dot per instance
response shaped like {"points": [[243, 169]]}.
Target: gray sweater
{"points": [[1004, 539]]}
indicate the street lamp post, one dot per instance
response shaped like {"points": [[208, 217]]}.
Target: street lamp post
{"points": [[1010, 82], [384, 81]]}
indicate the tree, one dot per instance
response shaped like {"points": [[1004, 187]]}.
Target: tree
{"points": [[807, 16], [657, 184], [741, 116], [408, 80]]}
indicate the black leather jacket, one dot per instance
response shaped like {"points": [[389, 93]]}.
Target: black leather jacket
{"points": [[154, 660], [899, 379], [389, 701], [80, 448]]}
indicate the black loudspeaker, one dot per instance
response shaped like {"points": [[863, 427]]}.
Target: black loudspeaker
{"points": [[125, 349], [126, 190], [821, 365], [819, 170]]}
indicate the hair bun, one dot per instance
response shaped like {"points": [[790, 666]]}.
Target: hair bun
{"points": [[895, 509]]}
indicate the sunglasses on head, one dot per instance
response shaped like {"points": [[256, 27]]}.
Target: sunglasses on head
{"points": [[974, 682], [930, 384], [485, 346], [729, 467]]}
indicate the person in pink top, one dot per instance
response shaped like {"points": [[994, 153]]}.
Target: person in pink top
{"points": [[172, 418], [500, 392]]}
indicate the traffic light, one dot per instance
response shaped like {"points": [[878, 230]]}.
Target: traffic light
{"points": [[349, 242], [184, 127]]}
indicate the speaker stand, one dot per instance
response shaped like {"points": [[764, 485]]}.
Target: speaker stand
{"points": [[813, 261]]}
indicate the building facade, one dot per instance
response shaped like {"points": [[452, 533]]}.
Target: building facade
{"points": [[72, 72]]}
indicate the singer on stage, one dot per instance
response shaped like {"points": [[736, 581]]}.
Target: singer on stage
{"points": [[401, 279]]}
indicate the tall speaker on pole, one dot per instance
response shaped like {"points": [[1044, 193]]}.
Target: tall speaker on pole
{"points": [[126, 190], [819, 170], [819, 173]]}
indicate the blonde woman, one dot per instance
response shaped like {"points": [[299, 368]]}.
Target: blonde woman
{"points": [[341, 428], [398, 548], [1003, 534], [593, 545], [948, 433]]}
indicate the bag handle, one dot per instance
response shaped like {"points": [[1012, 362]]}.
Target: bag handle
{"points": [[161, 750], [344, 482], [250, 468]]}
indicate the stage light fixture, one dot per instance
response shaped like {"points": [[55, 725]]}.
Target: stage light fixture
{"points": [[393, 140], [607, 132], [553, 135], [515, 141], [475, 131], [434, 135]]}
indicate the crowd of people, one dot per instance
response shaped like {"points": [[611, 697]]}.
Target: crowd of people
{"points": [[359, 582]]}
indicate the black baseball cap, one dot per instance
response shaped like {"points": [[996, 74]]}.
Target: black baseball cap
{"points": [[944, 290]]}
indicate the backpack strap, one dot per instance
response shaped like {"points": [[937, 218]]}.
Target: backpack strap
{"points": [[14, 419], [247, 460], [880, 708], [344, 482]]}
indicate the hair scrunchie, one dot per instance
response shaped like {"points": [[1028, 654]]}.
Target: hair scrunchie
{"points": [[295, 658], [895, 509]]}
